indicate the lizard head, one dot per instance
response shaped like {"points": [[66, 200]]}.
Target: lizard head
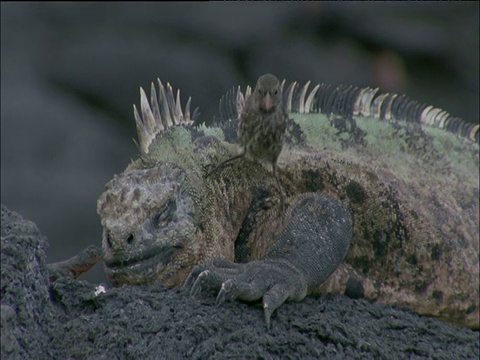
{"points": [[147, 212], [148, 226], [267, 93]]}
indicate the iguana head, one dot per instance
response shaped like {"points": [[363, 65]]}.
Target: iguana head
{"points": [[147, 213], [148, 224]]}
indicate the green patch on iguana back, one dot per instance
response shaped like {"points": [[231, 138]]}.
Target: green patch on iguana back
{"points": [[463, 154], [419, 148], [319, 132], [176, 146], [172, 146], [212, 131]]}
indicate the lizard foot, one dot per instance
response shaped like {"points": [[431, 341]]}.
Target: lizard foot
{"points": [[76, 265], [272, 280]]}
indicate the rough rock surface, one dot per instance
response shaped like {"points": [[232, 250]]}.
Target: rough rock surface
{"points": [[28, 315], [67, 320]]}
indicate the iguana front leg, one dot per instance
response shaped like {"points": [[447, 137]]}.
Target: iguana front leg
{"points": [[76, 265], [310, 248]]}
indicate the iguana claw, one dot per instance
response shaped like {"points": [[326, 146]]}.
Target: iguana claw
{"points": [[270, 280], [286, 273], [227, 292], [197, 285]]}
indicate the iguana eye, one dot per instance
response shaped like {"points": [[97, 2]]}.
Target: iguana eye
{"points": [[165, 215], [130, 238], [108, 238]]}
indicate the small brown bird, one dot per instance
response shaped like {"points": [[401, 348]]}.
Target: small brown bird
{"points": [[261, 128], [262, 122]]}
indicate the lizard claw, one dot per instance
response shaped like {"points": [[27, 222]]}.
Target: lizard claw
{"points": [[267, 314], [197, 285], [270, 280], [193, 276], [226, 292]]}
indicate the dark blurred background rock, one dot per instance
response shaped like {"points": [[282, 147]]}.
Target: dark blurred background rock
{"points": [[71, 72]]}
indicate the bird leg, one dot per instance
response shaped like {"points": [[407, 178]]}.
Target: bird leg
{"points": [[280, 188], [223, 163]]}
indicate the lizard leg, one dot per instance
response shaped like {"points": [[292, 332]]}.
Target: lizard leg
{"points": [[252, 281], [77, 265], [309, 249]]}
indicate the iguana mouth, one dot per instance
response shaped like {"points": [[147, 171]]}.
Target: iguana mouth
{"points": [[141, 268]]}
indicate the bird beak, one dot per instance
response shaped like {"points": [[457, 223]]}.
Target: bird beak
{"points": [[267, 102]]}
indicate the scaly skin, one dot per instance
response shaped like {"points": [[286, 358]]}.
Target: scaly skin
{"points": [[411, 190]]}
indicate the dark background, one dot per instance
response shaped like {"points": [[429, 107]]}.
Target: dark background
{"points": [[71, 72]]}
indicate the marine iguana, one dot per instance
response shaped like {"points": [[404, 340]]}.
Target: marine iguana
{"points": [[369, 173]]}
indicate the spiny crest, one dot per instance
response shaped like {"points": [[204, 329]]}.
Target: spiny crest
{"points": [[163, 112], [351, 100], [232, 103]]}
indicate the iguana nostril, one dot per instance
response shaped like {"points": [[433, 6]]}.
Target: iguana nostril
{"points": [[130, 239]]}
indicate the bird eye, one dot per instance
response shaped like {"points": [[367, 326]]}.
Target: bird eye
{"points": [[275, 92]]}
